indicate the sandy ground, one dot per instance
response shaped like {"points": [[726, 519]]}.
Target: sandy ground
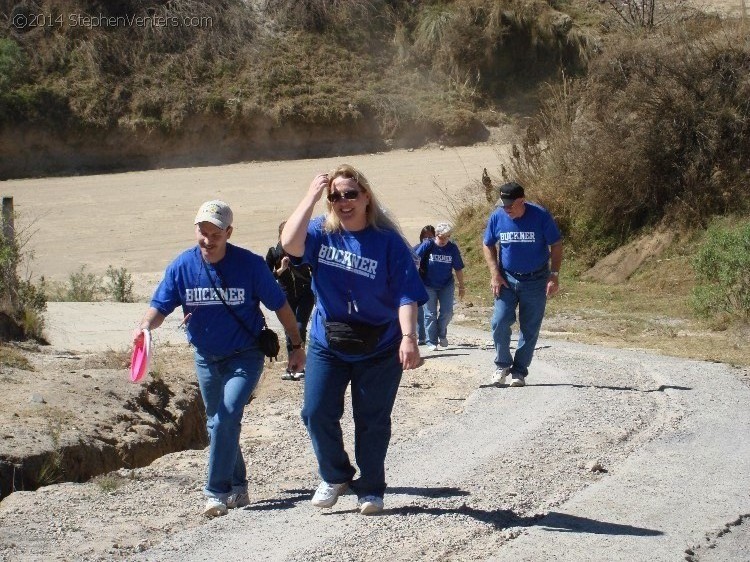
{"points": [[141, 220]]}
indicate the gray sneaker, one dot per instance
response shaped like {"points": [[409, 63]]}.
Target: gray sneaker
{"points": [[517, 380], [444, 342], [328, 494], [239, 499], [214, 508], [500, 375]]}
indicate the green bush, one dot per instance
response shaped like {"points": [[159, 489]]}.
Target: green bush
{"points": [[722, 268], [119, 284], [12, 64], [657, 130], [83, 286]]}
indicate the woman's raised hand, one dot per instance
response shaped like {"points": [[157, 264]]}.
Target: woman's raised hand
{"points": [[318, 186]]}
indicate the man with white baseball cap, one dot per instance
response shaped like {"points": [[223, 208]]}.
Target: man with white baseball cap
{"points": [[219, 287]]}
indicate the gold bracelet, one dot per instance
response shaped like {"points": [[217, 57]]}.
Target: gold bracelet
{"points": [[413, 336]]}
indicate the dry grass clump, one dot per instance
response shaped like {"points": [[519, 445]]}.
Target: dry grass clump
{"points": [[658, 129]]}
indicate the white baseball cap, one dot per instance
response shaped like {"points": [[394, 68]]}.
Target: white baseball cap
{"points": [[216, 212], [443, 228]]}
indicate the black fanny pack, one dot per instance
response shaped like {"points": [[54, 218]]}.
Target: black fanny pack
{"points": [[353, 338]]}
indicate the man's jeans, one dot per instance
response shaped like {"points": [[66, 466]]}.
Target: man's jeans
{"points": [[436, 323], [530, 296], [374, 383], [226, 384]]}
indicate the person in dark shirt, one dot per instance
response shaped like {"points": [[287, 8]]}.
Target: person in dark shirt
{"points": [[296, 282]]}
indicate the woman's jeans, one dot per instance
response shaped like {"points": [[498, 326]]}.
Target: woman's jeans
{"points": [[374, 383], [530, 296], [437, 324], [421, 334], [226, 383]]}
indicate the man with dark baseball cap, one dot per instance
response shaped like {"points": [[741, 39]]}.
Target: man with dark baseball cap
{"points": [[523, 274]]}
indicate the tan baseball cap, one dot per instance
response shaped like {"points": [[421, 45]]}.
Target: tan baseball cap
{"points": [[216, 212]]}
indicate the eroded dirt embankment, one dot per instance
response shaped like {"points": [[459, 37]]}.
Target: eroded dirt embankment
{"points": [[202, 141], [70, 419]]}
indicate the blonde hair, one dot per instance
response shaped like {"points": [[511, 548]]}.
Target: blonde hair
{"points": [[377, 216]]}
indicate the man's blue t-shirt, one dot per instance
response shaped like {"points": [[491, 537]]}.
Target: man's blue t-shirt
{"points": [[244, 281], [525, 241], [362, 276], [441, 264]]}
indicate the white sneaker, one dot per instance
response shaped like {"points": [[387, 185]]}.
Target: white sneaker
{"points": [[500, 376], [239, 499], [432, 347], [299, 376], [214, 508], [443, 342], [287, 376], [328, 494], [518, 380], [369, 505]]}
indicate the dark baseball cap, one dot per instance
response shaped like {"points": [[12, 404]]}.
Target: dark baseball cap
{"points": [[510, 191]]}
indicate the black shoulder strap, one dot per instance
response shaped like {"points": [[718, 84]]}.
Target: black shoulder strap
{"points": [[229, 308]]}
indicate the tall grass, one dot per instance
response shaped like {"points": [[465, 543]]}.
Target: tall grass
{"points": [[658, 130], [390, 67]]}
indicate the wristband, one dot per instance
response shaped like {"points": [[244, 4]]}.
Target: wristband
{"points": [[554, 273], [297, 345], [412, 336]]}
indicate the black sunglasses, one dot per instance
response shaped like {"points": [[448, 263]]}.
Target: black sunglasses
{"points": [[350, 194]]}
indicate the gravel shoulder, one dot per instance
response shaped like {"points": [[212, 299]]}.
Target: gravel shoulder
{"points": [[607, 454]]}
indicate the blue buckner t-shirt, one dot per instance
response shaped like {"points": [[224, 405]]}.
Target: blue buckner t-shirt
{"points": [[362, 276], [525, 241], [244, 280], [441, 264]]}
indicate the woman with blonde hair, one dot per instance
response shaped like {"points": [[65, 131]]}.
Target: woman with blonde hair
{"points": [[367, 291]]}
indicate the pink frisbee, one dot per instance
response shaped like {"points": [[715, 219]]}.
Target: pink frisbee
{"points": [[141, 355]]}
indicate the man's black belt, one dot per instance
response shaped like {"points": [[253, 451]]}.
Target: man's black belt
{"points": [[527, 275]]}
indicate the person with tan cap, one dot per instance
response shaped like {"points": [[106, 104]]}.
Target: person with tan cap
{"points": [[220, 287]]}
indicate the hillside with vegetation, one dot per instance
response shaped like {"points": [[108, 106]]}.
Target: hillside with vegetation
{"points": [[87, 85]]}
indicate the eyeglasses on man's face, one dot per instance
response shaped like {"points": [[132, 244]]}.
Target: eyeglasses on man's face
{"points": [[350, 194]]}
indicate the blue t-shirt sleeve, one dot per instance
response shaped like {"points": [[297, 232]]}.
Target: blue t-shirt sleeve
{"points": [[551, 231], [405, 279], [268, 290], [313, 241], [167, 295], [422, 248], [458, 263], [490, 237]]}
